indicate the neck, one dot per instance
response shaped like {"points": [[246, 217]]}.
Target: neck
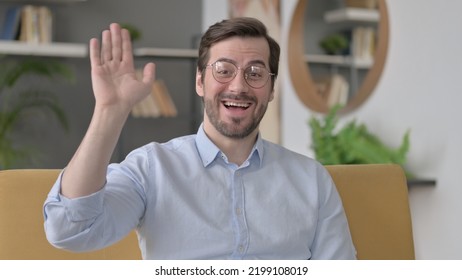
{"points": [[236, 150]]}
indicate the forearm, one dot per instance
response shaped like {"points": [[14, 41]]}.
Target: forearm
{"points": [[94, 221], [67, 220], [86, 172], [116, 90]]}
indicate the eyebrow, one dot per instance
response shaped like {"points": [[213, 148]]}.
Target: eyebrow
{"points": [[252, 62]]}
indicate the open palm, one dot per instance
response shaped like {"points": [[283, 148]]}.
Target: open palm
{"points": [[114, 79]]}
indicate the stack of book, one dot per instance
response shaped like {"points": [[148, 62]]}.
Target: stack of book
{"points": [[363, 43], [334, 90], [28, 23], [157, 104]]}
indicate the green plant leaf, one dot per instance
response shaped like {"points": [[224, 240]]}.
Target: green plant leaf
{"points": [[353, 143], [135, 33], [21, 104], [49, 69]]}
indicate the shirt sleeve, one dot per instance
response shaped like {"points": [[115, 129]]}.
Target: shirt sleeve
{"points": [[333, 239], [102, 218]]}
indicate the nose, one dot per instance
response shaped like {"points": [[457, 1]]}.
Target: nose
{"points": [[239, 84]]}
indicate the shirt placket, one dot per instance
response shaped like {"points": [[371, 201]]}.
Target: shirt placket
{"points": [[239, 222]]}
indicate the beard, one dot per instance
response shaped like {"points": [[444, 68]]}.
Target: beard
{"points": [[236, 129]]}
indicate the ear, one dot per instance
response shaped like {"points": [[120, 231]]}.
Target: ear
{"points": [[199, 84], [271, 97]]}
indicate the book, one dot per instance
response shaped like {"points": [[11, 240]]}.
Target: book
{"points": [[27, 33], [157, 104], [36, 24], [334, 90], [338, 92], [148, 107], [45, 22], [164, 99], [363, 44], [11, 24]]}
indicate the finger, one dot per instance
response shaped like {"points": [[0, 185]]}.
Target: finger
{"points": [[116, 41], [127, 54], [95, 55], [149, 73], [106, 48]]}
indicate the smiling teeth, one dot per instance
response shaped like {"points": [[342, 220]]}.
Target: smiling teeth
{"points": [[234, 104]]}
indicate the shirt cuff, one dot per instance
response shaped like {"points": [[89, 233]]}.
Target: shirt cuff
{"points": [[78, 209]]}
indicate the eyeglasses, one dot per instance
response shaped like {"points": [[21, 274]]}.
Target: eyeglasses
{"points": [[254, 75]]}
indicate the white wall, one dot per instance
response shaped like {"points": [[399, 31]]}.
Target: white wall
{"points": [[419, 90], [213, 11]]}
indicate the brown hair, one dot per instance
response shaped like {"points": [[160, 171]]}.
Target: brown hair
{"points": [[240, 27]]}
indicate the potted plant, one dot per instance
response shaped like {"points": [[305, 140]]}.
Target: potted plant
{"points": [[353, 143], [334, 44], [17, 103]]}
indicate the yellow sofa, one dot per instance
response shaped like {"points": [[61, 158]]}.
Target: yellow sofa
{"points": [[22, 236], [374, 197]]}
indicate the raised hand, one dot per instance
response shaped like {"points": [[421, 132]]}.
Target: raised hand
{"points": [[114, 80], [117, 90]]}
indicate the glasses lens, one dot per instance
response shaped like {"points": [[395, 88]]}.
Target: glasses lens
{"points": [[224, 71], [256, 76]]}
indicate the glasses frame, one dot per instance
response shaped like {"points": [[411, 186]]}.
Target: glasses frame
{"points": [[213, 65]]}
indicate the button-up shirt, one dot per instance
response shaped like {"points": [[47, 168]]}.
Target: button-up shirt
{"points": [[187, 201]]}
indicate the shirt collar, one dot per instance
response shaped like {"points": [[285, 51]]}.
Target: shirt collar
{"points": [[208, 151]]}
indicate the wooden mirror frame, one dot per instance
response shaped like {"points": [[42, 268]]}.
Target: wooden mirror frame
{"points": [[300, 73]]}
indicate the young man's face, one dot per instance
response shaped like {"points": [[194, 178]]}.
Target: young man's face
{"points": [[234, 108]]}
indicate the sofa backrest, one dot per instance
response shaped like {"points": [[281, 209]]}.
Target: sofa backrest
{"points": [[22, 236], [375, 198]]}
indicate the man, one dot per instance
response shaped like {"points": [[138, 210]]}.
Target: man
{"points": [[224, 193]]}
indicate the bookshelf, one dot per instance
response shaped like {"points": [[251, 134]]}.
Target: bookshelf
{"points": [[161, 105], [164, 52], [76, 22], [54, 49], [352, 14], [30, 31], [42, 1], [80, 50], [338, 60], [362, 72]]}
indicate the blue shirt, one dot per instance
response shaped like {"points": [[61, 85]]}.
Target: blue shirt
{"points": [[186, 201]]}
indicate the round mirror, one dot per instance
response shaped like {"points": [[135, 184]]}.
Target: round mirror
{"points": [[346, 75]]}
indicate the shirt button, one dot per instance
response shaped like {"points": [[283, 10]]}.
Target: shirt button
{"points": [[241, 249], [238, 211]]}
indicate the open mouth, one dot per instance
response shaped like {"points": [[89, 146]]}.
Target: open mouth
{"points": [[236, 105]]}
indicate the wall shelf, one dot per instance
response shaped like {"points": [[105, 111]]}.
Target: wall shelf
{"points": [[52, 49], [352, 14], [339, 60], [421, 182], [43, 1], [362, 83], [166, 52], [80, 50]]}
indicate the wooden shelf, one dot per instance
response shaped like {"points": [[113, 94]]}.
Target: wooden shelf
{"points": [[421, 182], [43, 1], [166, 52], [52, 49], [352, 14], [362, 83], [80, 50], [339, 60]]}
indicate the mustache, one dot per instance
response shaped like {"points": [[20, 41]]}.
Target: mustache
{"points": [[237, 97]]}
